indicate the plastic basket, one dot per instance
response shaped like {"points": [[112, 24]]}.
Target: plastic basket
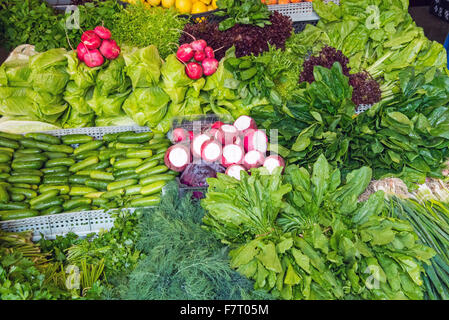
{"points": [[301, 11], [82, 222]]}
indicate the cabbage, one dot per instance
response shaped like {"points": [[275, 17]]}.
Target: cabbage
{"points": [[120, 120], [74, 119], [107, 106], [15, 73], [143, 66], [112, 78], [48, 71], [16, 102], [147, 106]]}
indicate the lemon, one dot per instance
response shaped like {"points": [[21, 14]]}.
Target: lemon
{"points": [[168, 3], [184, 6], [214, 4], [210, 8], [154, 3], [205, 1], [198, 7]]}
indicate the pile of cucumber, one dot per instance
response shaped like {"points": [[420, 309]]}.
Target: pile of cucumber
{"points": [[41, 174]]}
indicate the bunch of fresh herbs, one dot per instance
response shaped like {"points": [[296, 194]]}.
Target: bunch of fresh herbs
{"points": [[252, 12]]}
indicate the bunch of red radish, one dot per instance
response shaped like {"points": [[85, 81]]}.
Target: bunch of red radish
{"points": [[95, 46], [239, 146], [198, 58]]}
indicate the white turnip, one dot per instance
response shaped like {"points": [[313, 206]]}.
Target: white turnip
{"points": [[90, 39], [211, 150], [109, 49], [194, 70], [227, 134], [177, 157], [234, 171], [232, 154], [272, 162], [255, 140], [197, 143], [253, 159], [185, 53], [210, 65], [179, 135], [102, 32], [244, 123]]}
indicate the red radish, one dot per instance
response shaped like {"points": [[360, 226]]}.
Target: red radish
{"points": [[209, 52], [244, 123], [93, 58], [211, 150], [255, 140], [232, 154], [185, 52], [102, 32], [198, 45], [199, 56], [238, 141], [227, 134], [90, 39], [194, 70], [190, 135], [234, 171], [210, 65], [212, 132], [272, 162], [177, 157], [197, 143], [179, 134], [109, 49], [217, 125], [253, 159], [81, 51]]}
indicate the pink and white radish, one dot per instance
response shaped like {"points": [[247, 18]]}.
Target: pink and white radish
{"points": [[93, 58], [90, 39], [244, 123], [185, 52], [194, 70], [197, 143], [109, 49], [81, 51], [209, 52], [255, 140], [232, 154], [234, 171], [227, 134], [212, 132], [199, 56], [211, 150], [239, 141], [272, 162], [210, 65], [198, 45], [217, 125], [177, 157], [102, 32], [253, 159], [180, 134]]}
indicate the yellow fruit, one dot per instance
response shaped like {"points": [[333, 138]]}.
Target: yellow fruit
{"points": [[214, 4], [154, 3], [205, 1], [198, 7], [168, 3], [210, 8], [184, 6]]}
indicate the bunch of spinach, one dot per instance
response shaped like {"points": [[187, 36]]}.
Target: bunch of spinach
{"points": [[305, 236], [404, 137], [252, 12]]}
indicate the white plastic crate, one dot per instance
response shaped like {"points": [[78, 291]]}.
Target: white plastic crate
{"points": [[80, 223], [301, 11]]}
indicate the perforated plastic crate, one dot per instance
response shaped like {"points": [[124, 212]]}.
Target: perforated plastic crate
{"points": [[301, 11], [82, 222]]}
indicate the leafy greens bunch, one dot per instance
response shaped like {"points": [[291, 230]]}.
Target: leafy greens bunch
{"points": [[305, 236], [252, 12], [405, 137], [182, 261], [378, 36]]}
